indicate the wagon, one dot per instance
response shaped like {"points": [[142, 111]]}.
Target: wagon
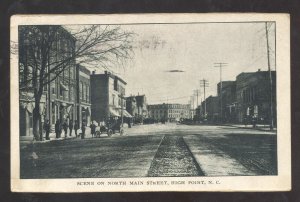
{"points": [[110, 128]]}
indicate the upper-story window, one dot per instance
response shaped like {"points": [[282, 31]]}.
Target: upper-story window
{"points": [[116, 85], [87, 93], [80, 90]]}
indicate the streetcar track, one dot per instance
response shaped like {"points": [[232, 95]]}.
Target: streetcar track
{"points": [[174, 158]]}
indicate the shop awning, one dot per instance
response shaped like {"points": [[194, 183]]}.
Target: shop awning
{"points": [[113, 112], [64, 87], [126, 114], [69, 108]]}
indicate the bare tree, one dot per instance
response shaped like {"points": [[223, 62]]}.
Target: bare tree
{"points": [[44, 53]]}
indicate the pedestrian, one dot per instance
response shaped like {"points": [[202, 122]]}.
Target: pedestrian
{"points": [[57, 128], [71, 126], [76, 127], [65, 127], [83, 129], [47, 129], [254, 122], [93, 129], [129, 122]]}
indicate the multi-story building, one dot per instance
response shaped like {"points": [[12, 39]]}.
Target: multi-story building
{"points": [[59, 97], [176, 112], [253, 94], [169, 112], [107, 97], [131, 106], [158, 112], [137, 107], [83, 94], [211, 106], [227, 98], [141, 106]]}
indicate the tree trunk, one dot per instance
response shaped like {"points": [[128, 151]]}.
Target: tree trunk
{"points": [[36, 121]]}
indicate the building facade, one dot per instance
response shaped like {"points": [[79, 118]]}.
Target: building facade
{"points": [[227, 101], [83, 94], [211, 106], [136, 105], [253, 94], [131, 106], [107, 97], [59, 97], [158, 112], [169, 112]]}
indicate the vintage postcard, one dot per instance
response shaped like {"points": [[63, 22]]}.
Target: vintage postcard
{"points": [[150, 102]]}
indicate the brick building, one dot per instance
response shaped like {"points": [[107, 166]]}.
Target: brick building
{"points": [[169, 112], [212, 109], [107, 97], [59, 97], [253, 96], [228, 101], [158, 112], [83, 94]]}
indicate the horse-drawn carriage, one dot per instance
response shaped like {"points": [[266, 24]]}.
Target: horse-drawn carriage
{"points": [[110, 128]]}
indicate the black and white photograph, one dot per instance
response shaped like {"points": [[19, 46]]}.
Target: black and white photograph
{"points": [[150, 102]]}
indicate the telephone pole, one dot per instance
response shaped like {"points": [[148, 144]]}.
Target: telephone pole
{"points": [[204, 83], [270, 78], [196, 93], [220, 65]]}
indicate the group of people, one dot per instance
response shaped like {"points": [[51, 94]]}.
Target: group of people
{"points": [[63, 126]]}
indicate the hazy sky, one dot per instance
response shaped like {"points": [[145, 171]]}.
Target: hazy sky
{"points": [[193, 49]]}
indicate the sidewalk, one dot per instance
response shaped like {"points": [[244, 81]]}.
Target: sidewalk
{"points": [[258, 127], [52, 135]]}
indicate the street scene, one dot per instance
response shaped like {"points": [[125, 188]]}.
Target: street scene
{"points": [[133, 100], [153, 151]]}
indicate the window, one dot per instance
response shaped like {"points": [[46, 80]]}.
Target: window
{"points": [[88, 93], [116, 85], [83, 92], [80, 90], [71, 93], [61, 91]]}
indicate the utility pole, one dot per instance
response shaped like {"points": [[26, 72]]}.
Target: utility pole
{"points": [[270, 78], [220, 65], [204, 83], [192, 102], [197, 92]]}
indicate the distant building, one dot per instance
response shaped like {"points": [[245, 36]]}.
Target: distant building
{"points": [[253, 96], [169, 112], [228, 94], [131, 106], [212, 109], [141, 106], [137, 107], [158, 112], [83, 94], [107, 96]]}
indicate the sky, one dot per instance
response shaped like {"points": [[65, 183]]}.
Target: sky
{"points": [[170, 59]]}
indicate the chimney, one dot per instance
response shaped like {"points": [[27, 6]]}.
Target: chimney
{"points": [[93, 72], [258, 70], [105, 72]]}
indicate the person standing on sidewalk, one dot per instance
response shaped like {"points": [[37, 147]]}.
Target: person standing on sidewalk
{"points": [[71, 127], [76, 127], [83, 129], [65, 126], [57, 128], [47, 129], [93, 128]]}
